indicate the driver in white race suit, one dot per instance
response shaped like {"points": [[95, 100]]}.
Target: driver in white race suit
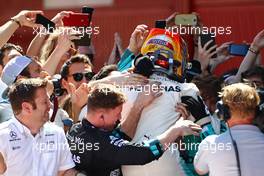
{"points": [[163, 59]]}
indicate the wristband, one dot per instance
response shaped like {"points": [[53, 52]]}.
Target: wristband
{"points": [[155, 147], [17, 22], [253, 50]]}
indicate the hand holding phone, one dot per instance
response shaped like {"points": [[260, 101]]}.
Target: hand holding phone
{"points": [[238, 49], [49, 25], [81, 21], [206, 38]]}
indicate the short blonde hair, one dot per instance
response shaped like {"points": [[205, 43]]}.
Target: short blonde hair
{"points": [[240, 97]]}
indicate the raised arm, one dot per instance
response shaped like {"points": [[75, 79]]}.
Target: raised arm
{"points": [[250, 58], [23, 18], [38, 41]]}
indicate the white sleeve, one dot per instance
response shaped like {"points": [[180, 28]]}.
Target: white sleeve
{"points": [[66, 161], [189, 89], [83, 113], [202, 157], [64, 115]]}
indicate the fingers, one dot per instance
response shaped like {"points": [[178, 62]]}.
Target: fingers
{"points": [[195, 133], [74, 37], [131, 70], [212, 48], [33, 14], [182, 113], [226, 44], [84, 87], [195, 130], [145, 34], [65, 13], [181, 108], [142, 27], [199, 43], [192, 128], [141, 31], [211, 54], [207, 44], [158, 94], [58, 18], [148, 95], [71, 89], [44, 75]]}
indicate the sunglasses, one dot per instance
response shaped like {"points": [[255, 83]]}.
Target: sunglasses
{"points": [[79, 76]]}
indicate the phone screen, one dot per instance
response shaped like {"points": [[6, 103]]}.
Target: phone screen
{"points": [[238, 49], [186, 19]]}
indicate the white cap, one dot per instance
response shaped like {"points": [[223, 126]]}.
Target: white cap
{"points": [[13, 68]]}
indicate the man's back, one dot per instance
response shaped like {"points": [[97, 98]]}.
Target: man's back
{"points": [[155, 119], [220, 159]]}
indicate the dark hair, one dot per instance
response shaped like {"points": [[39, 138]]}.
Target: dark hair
{"points": [[105, 71], [79, 58], [9, 46], [254, 71], [105, 96], [24, 91], [209, 86]]}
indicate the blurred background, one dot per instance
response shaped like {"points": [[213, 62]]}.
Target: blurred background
{"points": [[246, 17]]}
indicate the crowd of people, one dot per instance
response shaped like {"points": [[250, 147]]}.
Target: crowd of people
{"points": [[155, 109]]}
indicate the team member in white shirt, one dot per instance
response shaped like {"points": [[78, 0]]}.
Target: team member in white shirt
{"points": [[217, 154], [29, 145]]}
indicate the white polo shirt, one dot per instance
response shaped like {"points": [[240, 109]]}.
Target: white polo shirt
{"points": [[216, 153], [25, 155]]}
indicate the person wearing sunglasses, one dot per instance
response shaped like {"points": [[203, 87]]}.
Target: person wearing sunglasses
{"points": [[76, 71], [78, 77]]}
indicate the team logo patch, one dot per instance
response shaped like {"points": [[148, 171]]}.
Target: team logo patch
{"points": [[13, 134]]}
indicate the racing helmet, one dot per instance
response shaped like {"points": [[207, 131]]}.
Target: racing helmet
{"points": [[168, 51]]}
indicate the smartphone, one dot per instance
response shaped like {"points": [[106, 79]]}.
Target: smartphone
{"points": [[160, 24], [49, 25], [77, 20], [238, 49], [81, 21], [88, 10], [205, 38], [186, 19]]}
